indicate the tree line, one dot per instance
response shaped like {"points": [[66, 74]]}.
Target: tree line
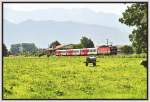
{"points": [[30, 49]]}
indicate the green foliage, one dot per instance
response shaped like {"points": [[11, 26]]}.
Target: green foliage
{"points": [[29, 47], [61, 77], [41, 52], [15, 49], [136, 16], [142, 55], [77, 46], [126, 49], [23, 49], [86, 43], [5, 51]]}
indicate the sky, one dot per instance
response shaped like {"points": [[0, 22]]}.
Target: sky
{"points": [[13, 9], [108, 8], [17, 13]]}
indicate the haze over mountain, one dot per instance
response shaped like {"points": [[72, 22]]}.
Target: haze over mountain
{"points": [[67, 26], [44, 32], [83, 15]]}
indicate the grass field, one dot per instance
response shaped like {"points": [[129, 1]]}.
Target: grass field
{"points": [[69, 78]]}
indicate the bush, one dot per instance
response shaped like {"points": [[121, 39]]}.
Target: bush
{"points": [[143, 55], [126, 49]]}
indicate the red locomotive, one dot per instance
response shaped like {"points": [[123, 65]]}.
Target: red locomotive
{"points": [[87, 51], [107, 50]]}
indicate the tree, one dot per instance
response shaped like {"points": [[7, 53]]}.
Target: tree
{"points": [[136, 16], [28, 48], [126, 49], [14, 49], [54, 44], [41, 52], [77, 46], [87, 43], [5, 51], [23, 49]]}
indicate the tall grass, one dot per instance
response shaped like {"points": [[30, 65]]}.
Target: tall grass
{"points": [[143, 55], [68, 78]]}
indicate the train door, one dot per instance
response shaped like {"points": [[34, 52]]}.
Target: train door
{"points": [[63, 52], [69, 52], [84, 52], [57, 53], [76, 51]]}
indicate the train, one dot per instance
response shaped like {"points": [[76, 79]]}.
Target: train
{"points": [[111, 50]]}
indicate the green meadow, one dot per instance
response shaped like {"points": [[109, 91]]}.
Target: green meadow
{"points": [[63, 77]]}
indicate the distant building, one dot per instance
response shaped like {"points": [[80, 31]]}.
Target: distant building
{"points": [[54, 44], [23, 48], [51, 51], [63, 47]]}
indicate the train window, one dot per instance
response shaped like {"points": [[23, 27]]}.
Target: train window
{"points": [[92, 50]]}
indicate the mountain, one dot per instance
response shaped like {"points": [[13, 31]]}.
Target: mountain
{"points": [[43, 33], [80, 15]]}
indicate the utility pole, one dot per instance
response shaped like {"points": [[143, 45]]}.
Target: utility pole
{"points": [[107, 45], [107, 41], [111, 43], [21, 48]]}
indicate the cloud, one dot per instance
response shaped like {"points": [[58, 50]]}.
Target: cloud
{"points": [[84, 13], [116, 8]]}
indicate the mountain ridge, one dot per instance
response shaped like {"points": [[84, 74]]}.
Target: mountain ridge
{"points": [[44, 32]]}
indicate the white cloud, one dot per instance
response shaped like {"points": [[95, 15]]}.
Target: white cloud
{"points": [[116, 8]]}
